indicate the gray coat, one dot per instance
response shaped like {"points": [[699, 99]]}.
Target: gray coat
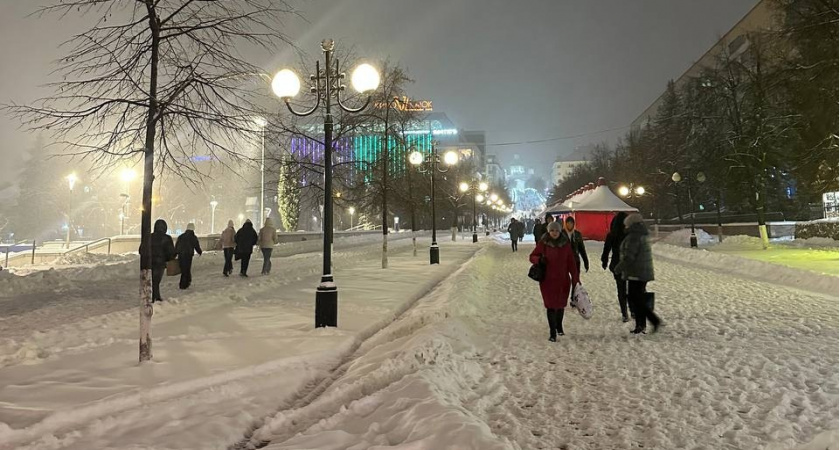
{"points": [[636, 262]]}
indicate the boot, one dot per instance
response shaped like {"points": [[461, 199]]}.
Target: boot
{"points": [[559, 321], [552, 324]]}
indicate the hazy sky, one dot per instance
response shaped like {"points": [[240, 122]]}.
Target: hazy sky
{"points": [[520, 70]]}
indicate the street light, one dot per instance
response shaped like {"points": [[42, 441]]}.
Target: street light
{"points": [[71, 180], [475, 188], [261, 122], [431, 165], [351, 210], [213, 204], [327, 84], [700, 177]]}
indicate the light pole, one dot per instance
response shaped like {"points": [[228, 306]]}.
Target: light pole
{"points": [[431, 165], [351, 210], [213, 205], [701, 177], [327, 84], [71, 180], [475, 188], [636, 191], [261, 122], [126, 175]]}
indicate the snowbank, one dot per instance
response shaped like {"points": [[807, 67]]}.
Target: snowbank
{"points": [[753, 269], [93, 258], [46, 280], [683, 237]]}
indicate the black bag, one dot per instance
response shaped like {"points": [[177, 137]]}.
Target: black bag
{"points": [[537, 271], [236, 255], [650, 300]]}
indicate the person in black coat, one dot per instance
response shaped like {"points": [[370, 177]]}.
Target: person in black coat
{"points": [[576, 239], [186, 245], [539, 229], [163, 250], [612, 245], [246, 238]]}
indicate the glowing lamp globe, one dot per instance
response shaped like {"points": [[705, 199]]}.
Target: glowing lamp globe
{"points": [[415, 158], [285, 84], [464, 187], [493, 197], [365, 78], [450, 158], [482, 186], [640, 190], [623, 191]]}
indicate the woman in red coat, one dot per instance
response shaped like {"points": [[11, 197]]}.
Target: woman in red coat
{"points": [[561, 273]]}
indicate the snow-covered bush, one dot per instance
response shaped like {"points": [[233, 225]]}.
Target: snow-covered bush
{"points": [[805, 230]]}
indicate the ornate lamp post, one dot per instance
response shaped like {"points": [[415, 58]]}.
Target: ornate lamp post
{"points": [[327, 84], [700, 177], [351, 210], [431, 165], [475, 188], [71, 180], [213, 205]]}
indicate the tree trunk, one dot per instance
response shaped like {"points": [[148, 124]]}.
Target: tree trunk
{"points": [[146, 306]]}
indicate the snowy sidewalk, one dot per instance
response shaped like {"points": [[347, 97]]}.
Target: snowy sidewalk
{"points": [[221, 359]]}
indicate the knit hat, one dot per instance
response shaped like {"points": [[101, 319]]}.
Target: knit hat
{"points": [[554, 226], [191, 226], [633, 218], [230, 223]]}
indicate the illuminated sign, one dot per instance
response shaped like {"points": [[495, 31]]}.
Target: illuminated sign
{"points": [[406, 104], [831, 204]]}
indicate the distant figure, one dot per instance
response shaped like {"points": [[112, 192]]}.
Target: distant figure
{"points": [[538, 230], [163, 250], [612, 245], [561, 274], [246, 238], [576, 239], [228, 244], [513, 231], [186, 245], [636, 266], [267, 238], [529, 226], [520, 229]]}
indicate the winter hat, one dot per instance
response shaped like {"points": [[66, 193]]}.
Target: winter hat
{"points": [[230, 223], [554, 226], [633, 218], [191, 226]]}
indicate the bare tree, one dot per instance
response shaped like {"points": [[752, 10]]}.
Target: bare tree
{"points": [[159, 80]]}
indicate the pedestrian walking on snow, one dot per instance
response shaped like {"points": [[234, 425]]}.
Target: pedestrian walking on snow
{"points": [[561, 273], [163, 250], [246, 238], [228, 244], [520, 229], [636, 266], [576, 239], [267, 238], [513, 232], [186, 246], [612, 246], [538, 230]]}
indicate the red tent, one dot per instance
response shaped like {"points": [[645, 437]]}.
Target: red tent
{"points": [[594, 214]]}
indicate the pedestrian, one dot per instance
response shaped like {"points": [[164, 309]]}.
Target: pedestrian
{"points": [[561, 274], [576, 239], [228, 244], [520, 229], [513, 232], [163, 250], [246, 238], [636, 266], [539, 229], [187, 245], [268, 237], [612, 245]]}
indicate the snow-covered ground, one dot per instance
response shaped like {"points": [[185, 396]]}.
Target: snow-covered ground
{"points": [[743, 362]]}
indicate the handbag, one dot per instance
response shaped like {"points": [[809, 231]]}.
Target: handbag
{"points": [[581, 301], [173, 268], [537, 271], [236, 255]]}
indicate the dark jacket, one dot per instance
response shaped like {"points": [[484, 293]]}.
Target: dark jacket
{"points": [[579, 249], [246, 238], [163, 249], [513, 229], [612, 243], [186, 244], [636, 257], [561, 273], [539, 231]]}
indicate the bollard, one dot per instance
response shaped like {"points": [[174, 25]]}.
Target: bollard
{"points": [[33, 251], [7, 256]]}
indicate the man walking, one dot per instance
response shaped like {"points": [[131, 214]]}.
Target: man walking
{"points": [[186, 246], [268, 237]]}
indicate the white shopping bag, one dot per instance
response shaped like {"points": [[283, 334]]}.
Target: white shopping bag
{"points": [[581, 301]]}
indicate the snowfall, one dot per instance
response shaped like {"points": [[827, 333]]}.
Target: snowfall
{"points": [[449, 356]]}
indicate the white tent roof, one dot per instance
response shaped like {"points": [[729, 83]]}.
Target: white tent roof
{"points": [[602, 199]]}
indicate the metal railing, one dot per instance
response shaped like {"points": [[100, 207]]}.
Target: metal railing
{"points": [[86, 247]]}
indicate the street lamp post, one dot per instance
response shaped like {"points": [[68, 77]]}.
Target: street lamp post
{"points": [[71, 180], [261, 122], [327, 84], [636, 191], [351, 210], [431, 165], [213, 205], [475, 188], [126, 175], [701, 177]]}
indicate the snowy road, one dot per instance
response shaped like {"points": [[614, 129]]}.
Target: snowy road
{"points": [[740, 364]]}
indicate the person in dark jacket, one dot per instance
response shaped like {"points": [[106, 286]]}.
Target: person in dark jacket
{"points": [[636, 266], [186, 245], [539, 229], [513, 232], [246, 238], [612, 245], [163, 250], [576, 239], [561, 274], [520, 229]]}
